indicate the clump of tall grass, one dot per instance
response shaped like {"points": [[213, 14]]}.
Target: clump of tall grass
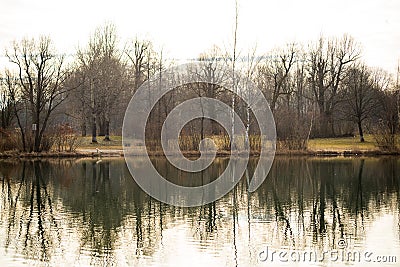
{"points": [[191, 143], [386, 138]]}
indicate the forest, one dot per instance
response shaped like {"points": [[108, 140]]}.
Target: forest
{"points": [[318, 89]]}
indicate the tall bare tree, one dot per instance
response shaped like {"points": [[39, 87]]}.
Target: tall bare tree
{"points": [[249, 73], [41, 73], [328, 64], [104, 78], [234, 78], [211, 69], [360, 97]]}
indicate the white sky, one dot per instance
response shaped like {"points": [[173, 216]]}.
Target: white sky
{"points": [[185, 28]]}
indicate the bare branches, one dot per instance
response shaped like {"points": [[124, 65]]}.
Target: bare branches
{"points": [[40, 77], [360, 97], [143, 59], [102, 79], [329, 61], [274, 73]]}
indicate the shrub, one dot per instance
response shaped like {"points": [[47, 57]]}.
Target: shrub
{"points": [[9, 140], [63, 138], [385, 137], [292, 130]]}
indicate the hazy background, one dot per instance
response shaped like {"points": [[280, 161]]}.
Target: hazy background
{"points": [[186, 28]]}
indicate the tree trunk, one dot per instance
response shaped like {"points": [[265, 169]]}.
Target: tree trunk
{"points": [[107, 130], [3, 119], [36, 147], [102, 126], [332, 126], [323, 125], [93, 103], [247, 141], [83, 128], [202, 131], [23, 138], [214, 125], [326, 127], [94, 133], [360, 131]]}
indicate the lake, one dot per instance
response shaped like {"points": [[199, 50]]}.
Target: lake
{"points": [[309, 211]]}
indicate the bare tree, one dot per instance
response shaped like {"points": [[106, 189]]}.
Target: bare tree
{"points": [[143, 61], [41, 74], [234, 82], [274, 74], [104, 78], [360, 97], [75, 106], [388, 124], [328, 64], [6, 110], [388, 117], [250, 69], [211, 69]]}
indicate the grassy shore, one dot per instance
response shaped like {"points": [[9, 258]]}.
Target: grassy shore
{"points": [[114, 143], [320, 146], [342, 145]]}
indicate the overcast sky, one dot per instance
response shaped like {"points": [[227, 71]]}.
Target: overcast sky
{"points": [[185, 28]]}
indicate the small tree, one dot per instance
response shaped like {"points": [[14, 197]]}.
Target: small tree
{"points": [[388, 124]]}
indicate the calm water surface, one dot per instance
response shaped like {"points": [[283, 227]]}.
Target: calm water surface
{"points": [[90, 212]]}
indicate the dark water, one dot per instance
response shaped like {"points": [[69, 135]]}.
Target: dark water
{"points": [[89, 212]]}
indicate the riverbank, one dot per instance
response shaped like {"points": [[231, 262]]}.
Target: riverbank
{"points": [[345, 146], [87, 153]]}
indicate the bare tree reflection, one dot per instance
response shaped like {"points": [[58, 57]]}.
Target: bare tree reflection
{"points": [[359, 198], [304, 202], [29, 195]]}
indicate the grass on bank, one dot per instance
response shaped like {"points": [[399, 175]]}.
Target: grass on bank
{"points": [[114, 143], [318, 144], [343, 144]]}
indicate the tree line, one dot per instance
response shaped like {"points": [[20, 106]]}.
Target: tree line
{"points": [[319, 89]]}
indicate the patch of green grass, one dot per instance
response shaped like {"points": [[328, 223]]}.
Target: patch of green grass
{"points": [[343, 143], [327, 144], [114, 143]]}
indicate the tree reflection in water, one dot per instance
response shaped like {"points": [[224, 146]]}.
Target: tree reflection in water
{"points": [[91, 212], [30, 216]]}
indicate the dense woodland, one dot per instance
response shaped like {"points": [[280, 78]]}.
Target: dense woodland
{"points": [[318, 89]]}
